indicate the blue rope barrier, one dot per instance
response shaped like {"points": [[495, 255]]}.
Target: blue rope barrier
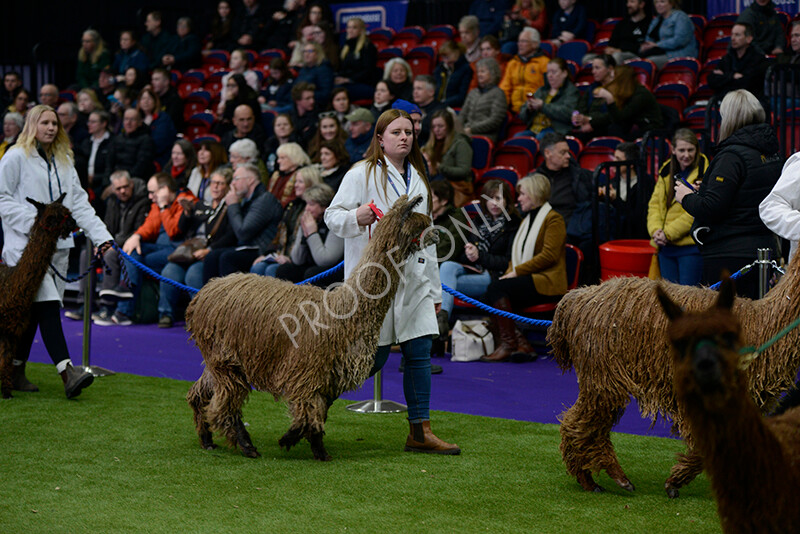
{"points": [[480, 305], [744, 270]]}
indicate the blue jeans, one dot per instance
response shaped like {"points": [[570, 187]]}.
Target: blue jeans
{"points": [[417, 375], [682, 265], [265, 268], [154, 255], [168, 294], [455, 276]]}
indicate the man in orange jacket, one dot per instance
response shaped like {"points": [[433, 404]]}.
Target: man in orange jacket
{"points": [[525, 71], [155, 239]]}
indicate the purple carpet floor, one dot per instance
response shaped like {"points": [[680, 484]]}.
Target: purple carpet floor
{"points": [[535, 391]]}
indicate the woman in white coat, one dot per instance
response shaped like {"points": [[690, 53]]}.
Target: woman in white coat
{"points": [[393, 167], [40, 166]]}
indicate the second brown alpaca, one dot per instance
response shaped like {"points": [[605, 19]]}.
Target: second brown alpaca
{"points": [[753, 462]]}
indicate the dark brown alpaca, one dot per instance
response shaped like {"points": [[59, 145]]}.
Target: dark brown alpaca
{"points": [[239, 323], [753, 462], [19, 284]]}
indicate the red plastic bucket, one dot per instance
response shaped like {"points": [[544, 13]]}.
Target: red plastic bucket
{"points": [[625, 257]]}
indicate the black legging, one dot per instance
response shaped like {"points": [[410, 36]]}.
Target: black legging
{"points": [[520, 290], [46, 316]]}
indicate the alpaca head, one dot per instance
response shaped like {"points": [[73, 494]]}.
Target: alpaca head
{"points": [[54, 218], [705, 347], [404, 228]]}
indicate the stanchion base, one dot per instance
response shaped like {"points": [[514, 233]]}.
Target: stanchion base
{"points": [[96, 371], [377, 406]]}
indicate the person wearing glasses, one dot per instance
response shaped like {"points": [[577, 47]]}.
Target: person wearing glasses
{"points": [[316, 70]]}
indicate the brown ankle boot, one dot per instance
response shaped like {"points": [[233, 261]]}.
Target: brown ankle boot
{"points": [[19, 382], [75, 380], [421, 439], [506, 329]]}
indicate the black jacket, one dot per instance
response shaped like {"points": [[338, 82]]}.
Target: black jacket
{"points": [[360, 68], [255, 221], [569, 188], [172, 105], [752, 65], [496, 259], [122, 219], [190, 222], [744, 171], [629, 35], [134, 153], [101, 172]]}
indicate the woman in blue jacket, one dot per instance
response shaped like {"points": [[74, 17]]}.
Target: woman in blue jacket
{"points": [[453, 75], [671, 34]]}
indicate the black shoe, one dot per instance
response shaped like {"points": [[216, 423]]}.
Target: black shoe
{"points": [[119, 292], [165, 321], [76, 380]]}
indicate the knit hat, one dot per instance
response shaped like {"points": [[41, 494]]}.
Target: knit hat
{"points": [[408, 107]]}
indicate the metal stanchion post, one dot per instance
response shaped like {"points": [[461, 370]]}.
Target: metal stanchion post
{"points": [[377, 404], [88, 296], [764, 265]]}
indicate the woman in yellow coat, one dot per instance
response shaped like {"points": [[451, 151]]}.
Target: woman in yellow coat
{"points": [[667, 223]]}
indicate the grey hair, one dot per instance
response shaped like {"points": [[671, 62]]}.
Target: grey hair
{"points": [[739, 109], [490, 64], [532, 33], [427, 79], [470, 23], [387, 70], [73, 108], [119, 175], [294, 152], [252, 169], [16, 117], [246, 148], [322, 194]]}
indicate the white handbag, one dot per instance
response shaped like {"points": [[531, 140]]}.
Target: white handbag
{"points": [[471, 340]]}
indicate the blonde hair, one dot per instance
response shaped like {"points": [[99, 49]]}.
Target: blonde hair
{"points": [[320, 52], [98, 106], [59, 148], [362, 39], [739, 109], [99, 47], [294, 152], [536, 186], [311, 175]]}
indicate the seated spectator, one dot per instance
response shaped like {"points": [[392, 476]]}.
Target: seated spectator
{"points": [[490, 48], [342, 106], [278, 252], [244, 127], [125, 210], [485, 257], [448, 155], [425, 99], [525, 71], [398, 76], [250, 23], [182, 161], [359, 56], [282, 133], [106, 85], [670, 34], [333, 163], [20, 101], [628, 34], [221, 37], [12, 126], [68, 115], [237, 64], [187, 48], [485, 107], [603, 74], [382, 99], [793, 54], [291, 157], [238, 93], [154, 240], [277, 95], [133, 149], [87, 102], [156, 41], [569, 22], [161, 126], [171, 102], [490, 14], [321, 34], [625, 194], [315, 249], [668, 224], [469, 30], [253, 214], [551, 106], [91, 159], [11, 81], [283, 25], [329, 130], [571, 185], [537, 272], [210, 155], [453, 75], [134, 80], [129, 55], [245, 151], [449, 220], [743, 67], [122, 99], [316, 71], [532, 12], [628, 109], [304, 112], [48, 95], [361, 121], [766, 24], [204, 220], [93, 57]]}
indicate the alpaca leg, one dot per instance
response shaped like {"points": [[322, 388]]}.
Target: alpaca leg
{"points": [[224, 412], [308, 419], [244, 442], [7, 354], [198, 398], [688, 467], [317, 447], [291, 437]]}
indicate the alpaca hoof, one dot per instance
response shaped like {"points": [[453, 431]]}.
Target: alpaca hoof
{"points": [[626, 485], [323, 458], [7, 395], [598, 489], [251, 453], [210, 447], [672, 493]]}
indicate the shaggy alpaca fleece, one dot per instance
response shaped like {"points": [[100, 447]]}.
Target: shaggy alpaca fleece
{"points": [[19, 284], [300, 343], [614, 336], [752, 462]]}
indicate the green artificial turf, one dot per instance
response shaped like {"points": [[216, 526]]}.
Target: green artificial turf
{"points": [[124, 457]]}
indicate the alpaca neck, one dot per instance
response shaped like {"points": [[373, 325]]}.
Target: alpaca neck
{"points": [[370, 283], [35, 260]]}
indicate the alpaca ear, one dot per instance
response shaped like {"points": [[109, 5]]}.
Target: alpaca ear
{"points": [[672, 310], [36, 204], [727, 292], [408, 209], [60, 199]]}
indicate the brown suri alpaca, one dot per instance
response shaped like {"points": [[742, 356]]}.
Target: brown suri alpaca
{"points": [[19, 284], [614, 336], [299, 342], [752, 461]]}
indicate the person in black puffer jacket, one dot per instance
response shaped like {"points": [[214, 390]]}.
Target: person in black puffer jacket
{"points": [[727, 226]]}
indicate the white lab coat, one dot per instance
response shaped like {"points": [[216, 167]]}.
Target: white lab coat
{"points": [[24, 176], [780, 209], [412, 313]]}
